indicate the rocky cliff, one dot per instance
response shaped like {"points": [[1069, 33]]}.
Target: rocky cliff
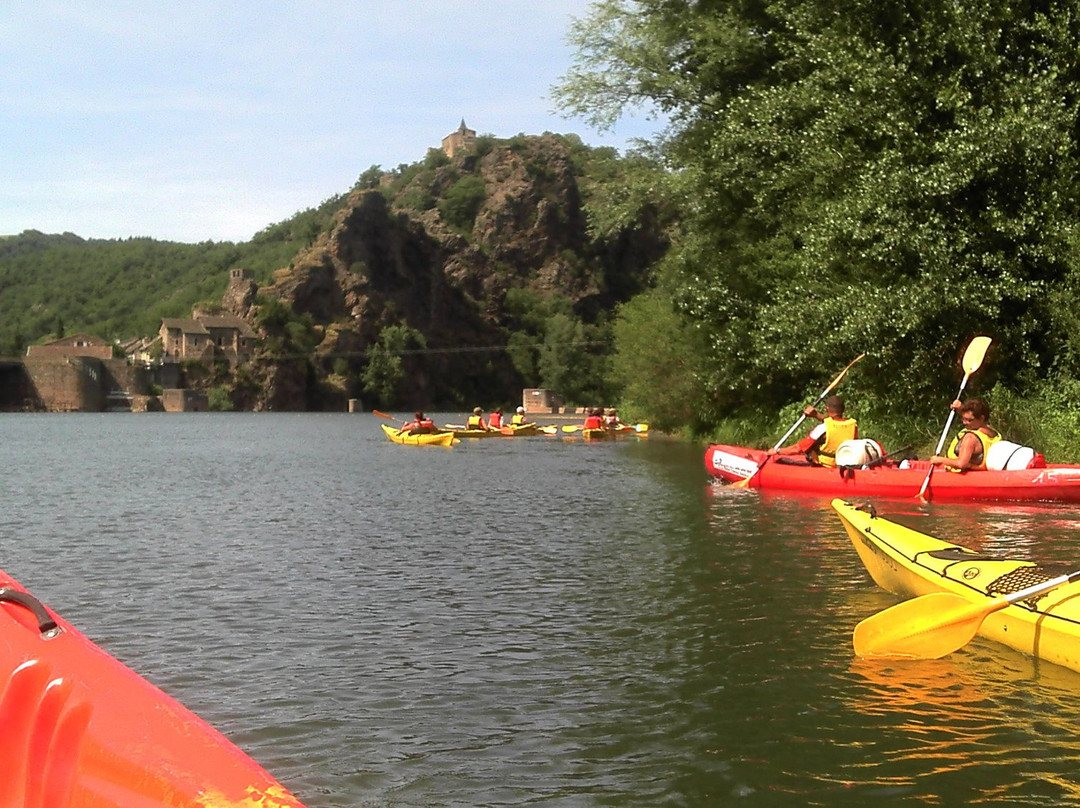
{"points": [[403, 255]]}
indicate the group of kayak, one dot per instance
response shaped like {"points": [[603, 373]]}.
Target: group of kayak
{"points": [[599, 424], [978, 465], [953, 593]]}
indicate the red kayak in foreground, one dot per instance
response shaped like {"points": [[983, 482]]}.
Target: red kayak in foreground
{"points": [[81, 730], [1052, 483]]}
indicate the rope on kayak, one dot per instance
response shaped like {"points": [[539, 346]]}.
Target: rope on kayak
{"points": [[46, 625]]}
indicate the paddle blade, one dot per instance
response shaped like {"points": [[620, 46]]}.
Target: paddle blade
{"points": [[641, 427], [973, 356], [549, 429], [387, 417], [571, 428], [926, 627]]}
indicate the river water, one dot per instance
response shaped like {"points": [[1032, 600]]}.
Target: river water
{"points": [[520, 622]]}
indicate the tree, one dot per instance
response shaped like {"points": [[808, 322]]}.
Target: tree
{"points": [[890, 176], [383, 373]]}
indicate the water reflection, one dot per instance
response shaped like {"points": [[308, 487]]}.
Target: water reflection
{"points": [[512, 623]]}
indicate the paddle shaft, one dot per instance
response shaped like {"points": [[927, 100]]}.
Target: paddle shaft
{"points": [[941, 440], [973, 358]]}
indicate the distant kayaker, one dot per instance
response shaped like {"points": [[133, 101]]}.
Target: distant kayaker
{"points": [[495, 419], [593, 419], [476, 420], [611, 418], [821, 444], [518, 417], [420, 425], [971, 445]]}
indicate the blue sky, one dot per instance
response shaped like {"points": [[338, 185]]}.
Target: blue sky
{"points": [[194, 121]]}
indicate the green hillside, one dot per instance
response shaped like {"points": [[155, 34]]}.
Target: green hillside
{"points": [[51, 285]]}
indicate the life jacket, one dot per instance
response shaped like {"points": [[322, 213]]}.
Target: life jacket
{"points": [[518, 419], [985, 441], [495, 419], [837, 430], [611, 420], [475, 422], [593, 422], [424, 426]]}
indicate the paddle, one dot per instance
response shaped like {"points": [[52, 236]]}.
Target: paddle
{"points": [[745, 481], [572, 427], [388, 417], [932, 626], [973, 358], [549, 429]]}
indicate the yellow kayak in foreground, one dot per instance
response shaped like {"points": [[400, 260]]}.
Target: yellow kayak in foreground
{"points": [[909, 564], [430, 439]]}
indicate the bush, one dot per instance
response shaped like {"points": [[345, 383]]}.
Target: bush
{"points": [[462, 202]]}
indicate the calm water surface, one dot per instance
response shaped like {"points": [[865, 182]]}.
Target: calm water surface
{"points": [[535, 621]]}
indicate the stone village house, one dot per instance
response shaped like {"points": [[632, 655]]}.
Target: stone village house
{"points": [[200, 338]]}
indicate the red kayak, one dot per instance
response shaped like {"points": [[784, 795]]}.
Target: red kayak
{"points": [[1052, 483], [83, 731]]}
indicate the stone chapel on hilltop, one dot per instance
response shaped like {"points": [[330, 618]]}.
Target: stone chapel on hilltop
{"points": [[462, 139]]}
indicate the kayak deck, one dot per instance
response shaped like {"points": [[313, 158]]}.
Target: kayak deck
{"points": [[81, 729], [909, 563], [426, 439]]}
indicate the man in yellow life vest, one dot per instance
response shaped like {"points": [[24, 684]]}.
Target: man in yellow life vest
{"points": [[519, 417], [970, 447], [821, 444]]}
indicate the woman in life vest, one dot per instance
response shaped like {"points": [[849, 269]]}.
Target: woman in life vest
{"points": [[593, 419], [969, 448], [824, 439], [495, 419], [420, 425], [476, 420], [519, 417], [611, 418]]}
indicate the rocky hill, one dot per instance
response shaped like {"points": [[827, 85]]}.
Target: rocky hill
{"points": [[460, 261]]}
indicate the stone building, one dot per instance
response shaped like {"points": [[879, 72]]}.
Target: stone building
{"points": [[206, 336], [75, 345], [464, 139]]}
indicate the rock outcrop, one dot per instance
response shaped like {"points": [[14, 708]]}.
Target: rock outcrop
{"points": [[383, 265]]}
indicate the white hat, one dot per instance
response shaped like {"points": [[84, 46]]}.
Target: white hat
{"points": [[521, 409]]}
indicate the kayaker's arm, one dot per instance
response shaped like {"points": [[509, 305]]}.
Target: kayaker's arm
{"points": [[964, 454]]}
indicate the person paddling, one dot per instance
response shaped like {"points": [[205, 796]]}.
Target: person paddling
{"points": [[821, 444], [476, 420], [519, 417], [972, 444], [593, 419], [420, 425]]}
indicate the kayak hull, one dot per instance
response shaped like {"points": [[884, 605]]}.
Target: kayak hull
{"points": [[1053, 483], [431, 439], [908, 563], [519, 430], [475, 433], [81, 730]]}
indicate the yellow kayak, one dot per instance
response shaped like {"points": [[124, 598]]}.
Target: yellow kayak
{"points": [[430, 439], [519, 430], [459, 431], [909, 564]]}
